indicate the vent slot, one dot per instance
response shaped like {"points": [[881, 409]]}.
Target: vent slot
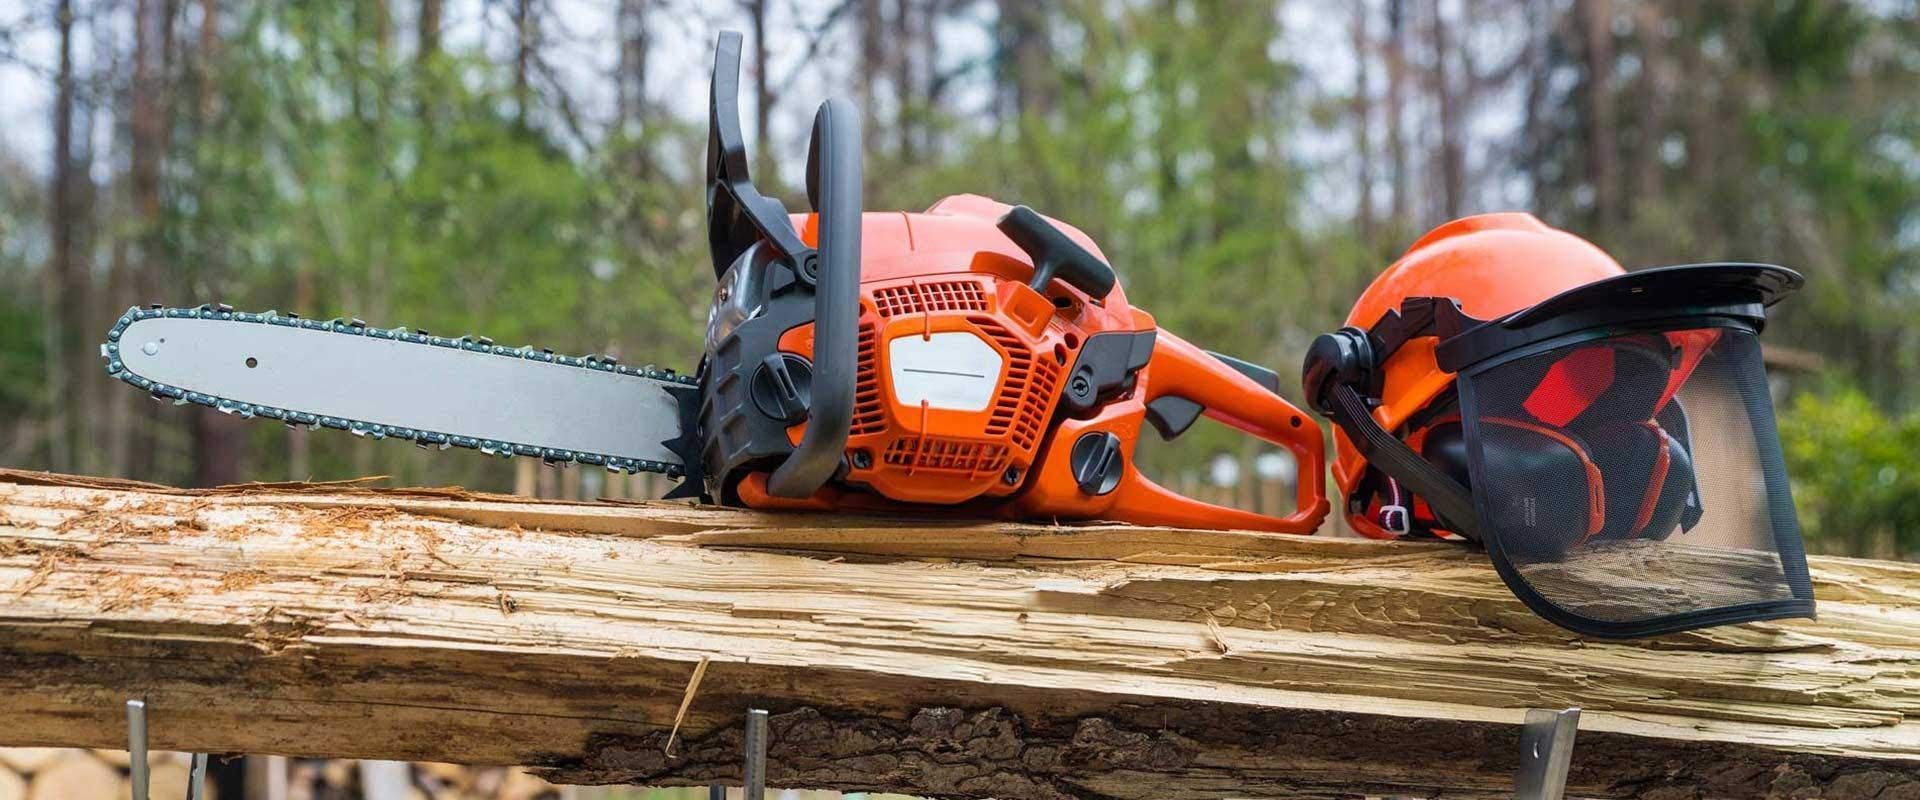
{"points": [[916, 298], [869, 413], [947, 455], [1028, 391]]}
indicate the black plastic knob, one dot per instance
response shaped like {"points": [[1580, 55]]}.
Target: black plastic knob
{"points": [[782, 387], [1097, 462]]}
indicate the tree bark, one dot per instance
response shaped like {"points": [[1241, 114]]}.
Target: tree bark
{"points": [[1452, 166], [1362, 111], [1028, 84], [1396, 109], [1655, 98], [636, 41], [63, 292], [525, 39], [148, 123], [925, 657], [1594, 19], [765, 166], [427, 30]]}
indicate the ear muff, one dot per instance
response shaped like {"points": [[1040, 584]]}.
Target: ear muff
{"points": [[1647, 477], [1562, 502], [1445, 444], [1598, 384]]}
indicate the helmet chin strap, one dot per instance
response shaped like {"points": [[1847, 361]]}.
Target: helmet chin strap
{"points": [[1448, 499]]}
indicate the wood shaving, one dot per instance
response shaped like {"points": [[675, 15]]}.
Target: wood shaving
{"points": [[686, 702]]}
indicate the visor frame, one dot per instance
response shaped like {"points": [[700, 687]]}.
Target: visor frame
{"points": [[1786, 532], [1740, 291]]}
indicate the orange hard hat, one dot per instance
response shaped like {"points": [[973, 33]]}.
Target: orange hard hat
{"points": [[1509, 384], [1491, 265]]}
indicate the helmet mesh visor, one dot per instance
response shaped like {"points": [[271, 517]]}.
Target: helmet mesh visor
{"points": [[1637, 477]]}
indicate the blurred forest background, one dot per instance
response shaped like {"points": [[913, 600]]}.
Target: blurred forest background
{"points": [[531, 170]]}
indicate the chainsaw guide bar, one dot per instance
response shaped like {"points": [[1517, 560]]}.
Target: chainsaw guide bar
{"points": [[392, 383]]}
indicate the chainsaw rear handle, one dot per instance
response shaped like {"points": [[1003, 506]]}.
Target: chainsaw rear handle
{"points": [[1179, 369], [833, 187]]}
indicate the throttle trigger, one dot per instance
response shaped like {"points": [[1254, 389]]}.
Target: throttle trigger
{"points": [[1172, 415], [1260, 375]]}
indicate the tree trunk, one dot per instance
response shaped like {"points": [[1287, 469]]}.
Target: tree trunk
{"points": [[1656, 85], [1594, 19], [1452, 168], [427, 32], [1362, 111], [525, 40], [873, 57], [906, 87], [152, 51], [636, 41], [765, 167], [1028, 83], [218, 439], [932, 658], [1396, 109], [1539, 72], [63, 294]]}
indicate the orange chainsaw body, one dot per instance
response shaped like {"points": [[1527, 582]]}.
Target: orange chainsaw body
{"points": [[961, 371]]}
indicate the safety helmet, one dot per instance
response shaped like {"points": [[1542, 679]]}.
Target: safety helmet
{"points": [[1509, 383]]}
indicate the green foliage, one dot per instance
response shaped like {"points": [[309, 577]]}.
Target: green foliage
{"points": [[1856, 476], [333, 179]]}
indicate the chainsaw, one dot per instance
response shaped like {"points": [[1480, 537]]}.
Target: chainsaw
{"points": [[977, 359]]}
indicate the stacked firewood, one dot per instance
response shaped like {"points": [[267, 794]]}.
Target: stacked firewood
{"points": [[45, 773]]}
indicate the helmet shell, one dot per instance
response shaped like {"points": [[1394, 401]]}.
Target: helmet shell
{"points": [[1492, 265]]}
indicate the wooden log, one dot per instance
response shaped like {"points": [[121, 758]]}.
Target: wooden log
{"points": [[27, 760], [76, 775], [927, 657]]}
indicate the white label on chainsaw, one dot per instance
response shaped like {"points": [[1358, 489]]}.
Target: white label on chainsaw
{"points": [[957, 370]]}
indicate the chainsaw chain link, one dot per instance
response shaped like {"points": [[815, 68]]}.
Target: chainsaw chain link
{"points": [[421, 438]]}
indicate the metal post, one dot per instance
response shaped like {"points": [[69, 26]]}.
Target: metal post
{"points": [[137, 746], [754, 778], [716, 792], [1546, 752], [197, 778]]}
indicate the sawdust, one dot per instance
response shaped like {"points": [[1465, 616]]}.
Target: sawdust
{"points": [[383, 594], [124, 592], [242, 579], [43, 568], [348, 520]]}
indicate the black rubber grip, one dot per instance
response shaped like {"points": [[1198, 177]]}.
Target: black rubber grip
{"points": [[1055, 255], [833, 183]]}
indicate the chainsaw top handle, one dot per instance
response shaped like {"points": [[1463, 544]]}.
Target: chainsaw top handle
{"points": [[833, 188]]}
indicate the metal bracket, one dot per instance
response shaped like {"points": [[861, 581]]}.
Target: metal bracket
{"points": [[137, 757], [1546, 753], [753, 777]]}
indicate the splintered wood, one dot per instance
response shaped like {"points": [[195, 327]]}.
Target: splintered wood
{"points": [[928, 657]]}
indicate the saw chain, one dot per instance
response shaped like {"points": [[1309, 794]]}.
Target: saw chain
{"points": [[423, 438]]}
